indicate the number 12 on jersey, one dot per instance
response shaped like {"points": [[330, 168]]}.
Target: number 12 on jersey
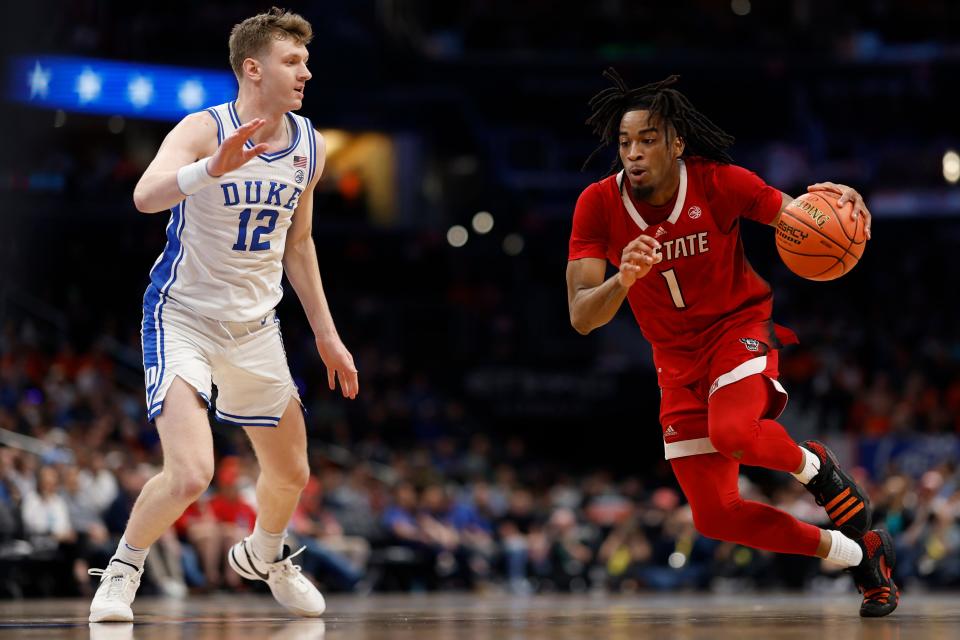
{"points": [[257, 244], [671, 277]]}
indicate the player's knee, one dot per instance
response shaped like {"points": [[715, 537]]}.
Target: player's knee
{"points": [[293, 477], [709, 524], [190, 481], [717, 518], [300, 475], [713, 523], [729, 436]]}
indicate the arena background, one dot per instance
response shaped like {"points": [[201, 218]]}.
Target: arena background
{"points": [[537, 450]]}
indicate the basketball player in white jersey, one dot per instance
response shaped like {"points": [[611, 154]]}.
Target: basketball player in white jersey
{"points": [[238, 180]]}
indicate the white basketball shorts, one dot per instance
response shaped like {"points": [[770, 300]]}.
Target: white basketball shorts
{"points": [[246, 361]]}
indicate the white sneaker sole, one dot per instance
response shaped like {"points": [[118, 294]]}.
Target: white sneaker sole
{"points": [[305, 614], [113, 614]]}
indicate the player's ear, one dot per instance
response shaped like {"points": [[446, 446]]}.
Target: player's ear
{"points": [[251, 68], [678, 146]]}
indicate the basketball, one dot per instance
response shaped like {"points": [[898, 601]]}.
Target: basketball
{"points": [[818, 239]]}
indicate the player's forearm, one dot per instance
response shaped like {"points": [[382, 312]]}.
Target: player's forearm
{"points": [[595, 307], [303, 271], [785, 199], [157, 192]]}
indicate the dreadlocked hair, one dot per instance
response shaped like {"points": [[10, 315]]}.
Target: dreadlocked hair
{"points": [[666, 105]]}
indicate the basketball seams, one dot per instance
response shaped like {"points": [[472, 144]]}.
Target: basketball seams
{"points": [[843, 229], [819, 233], [814, 276]]}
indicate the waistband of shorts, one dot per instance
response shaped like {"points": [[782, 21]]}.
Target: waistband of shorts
{"points": [[239, 325], [248, 324]]}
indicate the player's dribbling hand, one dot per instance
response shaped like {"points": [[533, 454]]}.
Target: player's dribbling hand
{"points": [[232, 154], [637, 259], [847, 194], [339, 364]]}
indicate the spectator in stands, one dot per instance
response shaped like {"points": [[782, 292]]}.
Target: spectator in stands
{"points": [[625, 554], [335, 559], [46, 521], [472, 518], [97, 482], [11, 522], [94, 545], [218, 521]]}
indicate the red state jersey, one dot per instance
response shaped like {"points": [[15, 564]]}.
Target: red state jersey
{"points": [[704, 287]]}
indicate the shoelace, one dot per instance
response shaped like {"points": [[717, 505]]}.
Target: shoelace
{"points": [[116, 581], [283, 565], [293, 571]]}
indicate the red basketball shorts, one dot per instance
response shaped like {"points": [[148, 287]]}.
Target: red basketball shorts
{"points": [[683, 410]]}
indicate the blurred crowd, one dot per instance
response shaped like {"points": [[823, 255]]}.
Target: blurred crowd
{"points": [[443, 508]]}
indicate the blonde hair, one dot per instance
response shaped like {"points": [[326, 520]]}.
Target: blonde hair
{"points": [[251, 37]]}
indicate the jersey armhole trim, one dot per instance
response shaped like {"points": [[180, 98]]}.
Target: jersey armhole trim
{"points": [[216, 116], [312, 146]]}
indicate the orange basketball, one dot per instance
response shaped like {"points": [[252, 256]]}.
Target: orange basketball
{"points": [[818, 239]]}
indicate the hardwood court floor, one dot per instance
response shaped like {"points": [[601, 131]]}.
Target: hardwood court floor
{"points": [[496, 617]]}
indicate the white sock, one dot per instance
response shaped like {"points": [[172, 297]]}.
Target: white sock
{"points": [[130, 555], [844, 551], [267, 545], [811, 466]]}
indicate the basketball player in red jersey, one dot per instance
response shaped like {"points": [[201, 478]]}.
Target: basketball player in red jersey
{"points": [[669, 222]]}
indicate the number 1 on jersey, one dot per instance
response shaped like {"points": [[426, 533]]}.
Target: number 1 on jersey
{"points": [[241, 244], [671, 277]]}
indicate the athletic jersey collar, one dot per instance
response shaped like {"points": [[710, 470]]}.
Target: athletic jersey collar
{"points": [[677, 208], [269, 157]]}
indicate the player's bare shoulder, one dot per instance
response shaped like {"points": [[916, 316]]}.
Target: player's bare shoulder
{"points": [[202, 127], [321, 144], [321, 155], [196, 132]]}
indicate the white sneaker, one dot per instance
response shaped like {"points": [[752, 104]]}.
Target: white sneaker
{"points": [[286, 583], [118, 588]]}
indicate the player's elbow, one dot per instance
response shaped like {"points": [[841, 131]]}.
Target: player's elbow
{"points": [[580, 325], [583, 329], [296, 252], [147, 199], [139, 203], [142, 203]]}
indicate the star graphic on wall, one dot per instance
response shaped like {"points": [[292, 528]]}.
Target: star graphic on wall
{"points": [[39, 80], [88, 85], [191, 95], [140, 91]]}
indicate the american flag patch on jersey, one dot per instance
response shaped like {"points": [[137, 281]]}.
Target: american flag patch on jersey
{"points": [[300, 161]]}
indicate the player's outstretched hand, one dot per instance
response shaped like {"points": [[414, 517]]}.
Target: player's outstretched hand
{"points": [[232, 154], [637, 259], [847, 194], [339, 364]]}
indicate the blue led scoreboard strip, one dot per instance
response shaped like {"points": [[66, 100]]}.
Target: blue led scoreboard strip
{"points": [[108, 87]]}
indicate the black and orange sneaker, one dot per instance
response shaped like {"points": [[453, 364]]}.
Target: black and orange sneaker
{"points": [[874, 575], [847, 505]]}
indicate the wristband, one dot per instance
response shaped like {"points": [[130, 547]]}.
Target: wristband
{"points": [[193, 177]]}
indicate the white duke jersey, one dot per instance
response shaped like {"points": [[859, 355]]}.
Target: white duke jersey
{"points": [[225, 243]]}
